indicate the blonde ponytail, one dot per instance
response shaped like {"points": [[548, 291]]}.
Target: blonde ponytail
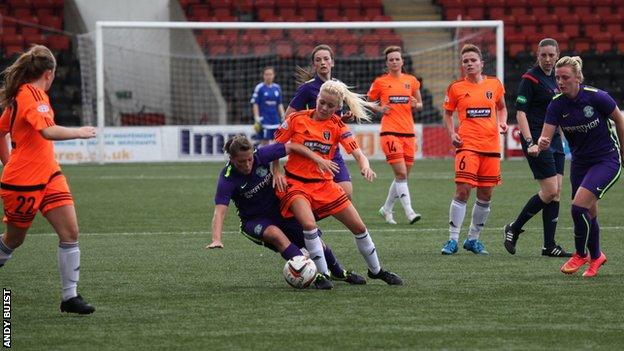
{"points": [[356, 102]]}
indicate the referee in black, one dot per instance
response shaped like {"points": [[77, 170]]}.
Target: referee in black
{"points": [[536, 90]]}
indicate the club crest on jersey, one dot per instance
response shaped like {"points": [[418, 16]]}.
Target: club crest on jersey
{"points": [[258, 229], [588, 111], [43, 108], [326, 135], [261, 171], [284, 125], [489, 94], [407, 86]]}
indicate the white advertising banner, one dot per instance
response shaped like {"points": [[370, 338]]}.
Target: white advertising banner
{"points": [[121, 145], [187, 143]]}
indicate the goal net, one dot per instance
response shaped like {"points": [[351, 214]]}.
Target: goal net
{"points": [[192, 73]]}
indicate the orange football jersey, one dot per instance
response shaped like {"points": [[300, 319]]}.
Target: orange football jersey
{"points": [[31, 161], [397, 94], [476, 108], [322, 137]]}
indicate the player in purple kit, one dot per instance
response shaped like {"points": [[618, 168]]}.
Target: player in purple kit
{"points": [[305, 98], [247, 181], [583, 114]]}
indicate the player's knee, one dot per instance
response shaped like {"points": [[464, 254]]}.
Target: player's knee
{"points": [[69, 234], [550, 195], [462, 194]]}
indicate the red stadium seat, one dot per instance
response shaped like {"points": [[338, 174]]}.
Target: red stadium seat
{"points": [[582, 45], [324, 4], [280, 4], [619, 42], [348, 50], [40, 39], [592, 24], [371, 12], [304, 50], [265, 14], [287, 12], [351, 4], [13, 40], [284, 49], [561, 11], [354, 14], [528, 23], [613, 23], [476, 13], [603, 42], [495, 13], [261, 49], [330, 12], [275, 34], [313, 4], [563, 39], [309, 14], [245, 5], [18, 4], [217, 50], [371, 3], [199, 11], [604, 10], [220, 3], [540, 11], [549, 29], [518, 11], [372, 50], [58, 42], [51, 21]]}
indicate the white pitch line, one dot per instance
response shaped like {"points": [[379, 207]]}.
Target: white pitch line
{"points": [[378, 230]]}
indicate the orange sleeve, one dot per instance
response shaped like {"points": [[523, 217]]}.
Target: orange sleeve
{"points": [[347, 140], [374, 91], [284, 132], [5, 120], [415, 86], [40, 116], [450, 101]]}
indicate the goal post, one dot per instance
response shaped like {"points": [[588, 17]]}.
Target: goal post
{"points": [[203, 73]]}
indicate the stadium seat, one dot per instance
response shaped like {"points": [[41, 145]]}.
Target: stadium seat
{"points": [[304, 50], [309, 13], [348, 50], [582, 45], [475, 12], [571, 25], [528, 23], [330, 12], [495, 13], [516, 43], [308, 4], [561, 10], [563, 39], [603, 10], [199, 11], [372, 12], [275, 34], [324, 4], [217, 50], [51, 21], [603, 42], [39, 39], [452, 13], [261, 49], [244, 6], [284, 49], [372, 50], [613, 23], [540, 11], [26, 30], [287, 12], [592, 24], [265, 14], [281, 4]]}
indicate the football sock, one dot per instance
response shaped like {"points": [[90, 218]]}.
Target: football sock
{"points": [[367, 248], [457, 212], [69, 267], [550, 216], [5, 252], [582, 227], [391, 197], [402, 191], [291, 251], [593, 243], [315, 247], [531, 208], [480, 212], [332, 262]]}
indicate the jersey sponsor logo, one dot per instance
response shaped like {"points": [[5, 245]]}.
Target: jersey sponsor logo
{"points": [[261, 171], [43, 108], [446, 98], [583, 128], [588, 111], [489, 94], [479, 112], [346, 135], [284, 125], [326, 135], [399, 99], [258, 229], [276, 93], [270, 103], [317, 146], [521, 99]]}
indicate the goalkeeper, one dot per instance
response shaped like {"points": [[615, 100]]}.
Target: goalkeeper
{"points": [[268, 110]]}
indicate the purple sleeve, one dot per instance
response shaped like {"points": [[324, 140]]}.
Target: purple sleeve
{"points": [[552, 116], [270, 153], [604, 103], [225, 189], [299, 102]]}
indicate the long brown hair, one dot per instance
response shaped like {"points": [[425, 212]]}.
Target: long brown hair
{"points": [[28, 67], [302, 74]]}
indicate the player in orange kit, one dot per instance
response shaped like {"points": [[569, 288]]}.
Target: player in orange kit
{"points": [[398, 93], [312, 194], [480, 104], [32, 179]]}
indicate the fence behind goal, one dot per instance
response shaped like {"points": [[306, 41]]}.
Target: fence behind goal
{"points": [[197, 74]]}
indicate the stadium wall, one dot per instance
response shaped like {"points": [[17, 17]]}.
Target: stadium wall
{"points": [[205, 143]]}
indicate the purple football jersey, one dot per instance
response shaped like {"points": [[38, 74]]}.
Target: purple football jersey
{"points": [[585, 122], [252, 194]]}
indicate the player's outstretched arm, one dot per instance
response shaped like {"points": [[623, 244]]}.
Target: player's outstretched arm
{"points": [[617, 118], [64, 133], [217, 227], [548, 130], [365, 169], [4, 148]]}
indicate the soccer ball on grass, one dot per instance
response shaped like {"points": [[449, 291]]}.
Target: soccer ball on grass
{"points": [[299, 272]]}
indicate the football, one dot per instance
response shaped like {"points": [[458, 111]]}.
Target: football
{"points": [[299, 272]]}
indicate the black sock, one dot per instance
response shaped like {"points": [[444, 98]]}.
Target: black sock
{"points": [[593, 242], [532, 207], [550, 215]]}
